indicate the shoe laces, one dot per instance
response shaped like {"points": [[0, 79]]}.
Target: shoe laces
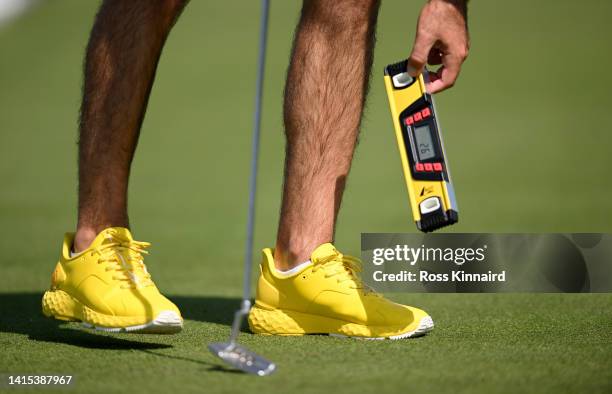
{"points": [[345, 268], [125, 258]]}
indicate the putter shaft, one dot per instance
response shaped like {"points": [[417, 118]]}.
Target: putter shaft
{"points": [[231, 352]]}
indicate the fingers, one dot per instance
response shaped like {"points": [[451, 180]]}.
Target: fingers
{"points": [[420, 52], [435, 83], [446, 75], [441, 38]]}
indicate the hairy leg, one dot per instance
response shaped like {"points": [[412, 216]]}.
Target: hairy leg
{"points": [[324, 98], [121, 59]]}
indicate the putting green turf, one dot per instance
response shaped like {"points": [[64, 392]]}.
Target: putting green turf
{"points": [[528, 140]]}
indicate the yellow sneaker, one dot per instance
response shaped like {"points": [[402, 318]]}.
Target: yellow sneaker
{"points": [[108, 288], [328, 297]]}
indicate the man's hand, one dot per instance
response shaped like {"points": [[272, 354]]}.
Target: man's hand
{"points": [[441, 38]]}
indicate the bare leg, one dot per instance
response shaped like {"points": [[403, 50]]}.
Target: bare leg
{"points": [[122, 55], [324, 99]]}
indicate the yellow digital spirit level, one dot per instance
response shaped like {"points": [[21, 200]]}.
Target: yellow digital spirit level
{"points": [[430, 190]]}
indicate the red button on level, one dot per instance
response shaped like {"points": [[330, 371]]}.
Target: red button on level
{"points": [[428, 167], [426, 112], [420, 167], [409, 120], [417, 117], [437, 166]]}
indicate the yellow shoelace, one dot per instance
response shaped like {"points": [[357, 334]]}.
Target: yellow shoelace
{"points": [[346, 267], [125, 258]]}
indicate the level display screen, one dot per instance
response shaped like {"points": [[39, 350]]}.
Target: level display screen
{"points": [[424, 142]]}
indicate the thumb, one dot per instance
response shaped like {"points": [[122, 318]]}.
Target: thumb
{"points": [[420, 52]]}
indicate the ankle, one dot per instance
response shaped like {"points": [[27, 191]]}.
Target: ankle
{"points": [[285, 260], [83, 238]]}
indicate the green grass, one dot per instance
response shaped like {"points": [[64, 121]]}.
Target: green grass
{"points": [[483, 343], [527, 129]]}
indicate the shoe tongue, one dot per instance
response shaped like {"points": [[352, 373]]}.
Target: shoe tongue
{"points": [[323, 252], [112, 234]]}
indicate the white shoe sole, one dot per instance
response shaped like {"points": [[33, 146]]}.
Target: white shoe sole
{"points": [[166, 322], [425, 325]]}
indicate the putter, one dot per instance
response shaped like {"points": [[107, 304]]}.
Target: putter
{"points": [[231, 352]]}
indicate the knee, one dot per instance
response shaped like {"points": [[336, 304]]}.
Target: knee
{"points": [[170, 9], [341, 15], [164, 11]]}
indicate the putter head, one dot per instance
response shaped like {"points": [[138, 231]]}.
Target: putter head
{"points": [[242, 358]]}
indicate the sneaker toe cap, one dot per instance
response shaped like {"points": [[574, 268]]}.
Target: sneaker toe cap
{"points": [[148, 302], [404, 315]]}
